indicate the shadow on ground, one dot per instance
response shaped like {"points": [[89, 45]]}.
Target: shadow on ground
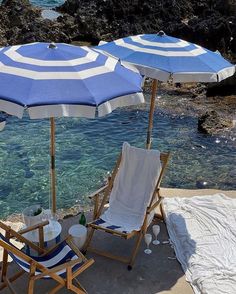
{"points": [[151, 274]]}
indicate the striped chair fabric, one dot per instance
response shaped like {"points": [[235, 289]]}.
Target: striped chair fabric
{"points": [[60, 255], [100, 222]]}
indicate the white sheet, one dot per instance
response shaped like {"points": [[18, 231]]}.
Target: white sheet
{"points": [[203, 232], [133, 187]]}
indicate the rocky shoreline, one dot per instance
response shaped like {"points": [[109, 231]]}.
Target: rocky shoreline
{"points": [[62, 213], [211, 24]]}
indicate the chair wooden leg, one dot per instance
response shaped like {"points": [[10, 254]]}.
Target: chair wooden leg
{"points": [[135, 250], [8, 283], [31, 281], [5, 259], [162, 213], [12, 279], [88, 240], [4, 265], [31, 286], [80, 286], [77, 290], [56, 289]]}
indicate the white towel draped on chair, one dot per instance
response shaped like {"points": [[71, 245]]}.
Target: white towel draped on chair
{"points": [[133, 188]]}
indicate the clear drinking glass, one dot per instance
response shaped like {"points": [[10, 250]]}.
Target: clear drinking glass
{"points": [[148, 240], [156, 230]]}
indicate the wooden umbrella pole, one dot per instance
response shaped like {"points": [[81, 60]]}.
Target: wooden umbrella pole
{"points": [[151, 113], [53, 174]]}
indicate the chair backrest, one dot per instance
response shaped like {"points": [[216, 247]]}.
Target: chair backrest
{"points": [[139, 175], [60, 255], [136, 178], [18, 256]]}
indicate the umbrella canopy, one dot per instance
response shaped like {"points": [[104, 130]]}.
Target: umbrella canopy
{"points": [[51, 80], [162, 57], [60, 80]]}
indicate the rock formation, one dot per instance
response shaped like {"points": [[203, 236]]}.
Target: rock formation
{"points": [[20, 22], [211, 123], [209, 23]]}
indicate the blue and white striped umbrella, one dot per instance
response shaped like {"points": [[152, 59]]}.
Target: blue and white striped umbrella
{"points": [[60, 80], [55, 80], [162, 57]]}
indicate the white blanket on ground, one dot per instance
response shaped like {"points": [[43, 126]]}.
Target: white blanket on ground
{"points": [[203, 232], [133, 187]]}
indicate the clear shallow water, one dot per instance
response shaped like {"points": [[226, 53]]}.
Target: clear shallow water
{"points": [[46, 3], [86, 149]]}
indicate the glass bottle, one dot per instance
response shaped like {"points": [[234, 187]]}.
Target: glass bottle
{"points": [[82, 219]]}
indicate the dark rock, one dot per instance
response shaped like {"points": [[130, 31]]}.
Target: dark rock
{"points": [[211, 24], [200, 184], [232, 173], [22, 23], [68, 216], [205, 22], [224, 88], [211, 122], [29, 173]]}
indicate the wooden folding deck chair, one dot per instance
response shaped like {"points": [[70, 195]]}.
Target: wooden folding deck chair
{"points": [[100, 202], [62, 263]]}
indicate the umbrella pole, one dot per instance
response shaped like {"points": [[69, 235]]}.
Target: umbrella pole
{"points": [[151, 113], [53, 174]]}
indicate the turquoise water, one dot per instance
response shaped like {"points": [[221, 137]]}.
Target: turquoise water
{"points": [[86, 150], [46, 3]]}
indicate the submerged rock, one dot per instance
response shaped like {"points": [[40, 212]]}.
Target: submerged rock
{"points": [[211, 122], [201, 184]]}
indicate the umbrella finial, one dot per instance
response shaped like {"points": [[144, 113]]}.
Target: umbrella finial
{"points": [[52, 45], [161, 33]]}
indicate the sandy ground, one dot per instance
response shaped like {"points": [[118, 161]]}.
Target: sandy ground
{"points": [[159, 272]]}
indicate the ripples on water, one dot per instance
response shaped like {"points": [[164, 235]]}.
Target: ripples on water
{"points": [[86, 150], [47, 3]]}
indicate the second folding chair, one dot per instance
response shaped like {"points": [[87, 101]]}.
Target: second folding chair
{"points": [[133, 193]]}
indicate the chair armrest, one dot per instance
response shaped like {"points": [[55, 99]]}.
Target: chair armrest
{"points": [[102, 189], [58, 268], [38, 227], [13, 234], [34, 227], [158, 202], [96, 199]]}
